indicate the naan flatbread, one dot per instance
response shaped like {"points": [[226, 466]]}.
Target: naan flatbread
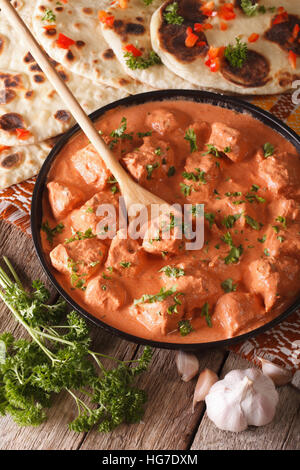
{"points": [[132, 26], [267, 69], [90, 56], [20, 162], [27, 100]]}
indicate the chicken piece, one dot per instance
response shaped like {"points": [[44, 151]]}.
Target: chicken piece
{"points": [[197, 285], [63, 198], [91, 167], [105, 295], [164, 235], [237, 311], [281, 174], [273, 279], [82, 257], [287, 208], [162, 121], [201, 176], [126, 255], [152, 161], [240, 216], [281, 241], [87, 216], [229, 140], [160, 316]]}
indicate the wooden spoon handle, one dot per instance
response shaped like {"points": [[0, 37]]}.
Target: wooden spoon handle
{"points": [[74, 107]]}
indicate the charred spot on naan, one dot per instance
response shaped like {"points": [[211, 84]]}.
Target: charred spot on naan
{"points": [[11, 121], [281, 33], [29, 94], [12, 81], [28, 58], [79, 44], [35, 68], [50, 32], [285, 78], [108, 54], [172, 36], [87, 11], [8, 162], [63, 75], [62, 115], [59, 9], [254, 72], [123, 28], [38, 78], [69, 56], [7, 96]]}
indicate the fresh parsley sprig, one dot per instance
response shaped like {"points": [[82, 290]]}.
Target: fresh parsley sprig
{"points": [[236, 54], [141, 62], [59, 358], [171, 14]]}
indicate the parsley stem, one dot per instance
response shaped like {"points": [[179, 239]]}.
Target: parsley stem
{"points": [[15, 276]]}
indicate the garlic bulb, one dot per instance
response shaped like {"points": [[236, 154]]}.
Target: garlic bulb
{"points": [[242, 398], [204, 383], [279, 375], [187, 365]]}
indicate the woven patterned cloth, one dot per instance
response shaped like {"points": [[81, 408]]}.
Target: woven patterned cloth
{"points": [[281, 344]]}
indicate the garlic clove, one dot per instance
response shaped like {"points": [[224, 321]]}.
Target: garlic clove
{"points": [[279, 375], [205, 381], [187, 365]]}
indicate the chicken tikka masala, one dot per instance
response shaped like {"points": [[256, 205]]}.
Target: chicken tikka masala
{"points": [[247, 177]]}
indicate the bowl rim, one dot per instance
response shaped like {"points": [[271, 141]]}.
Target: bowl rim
{"points": [[230, 102]]}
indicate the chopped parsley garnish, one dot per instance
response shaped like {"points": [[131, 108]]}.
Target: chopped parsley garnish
{"points": [[197, 209], [171, 16], [49, 16], [205, 313], [268, 150], [157, 151], [235, 194], [114, 188], [254, 188], [235, 252], [228, 285], [263, 239], [227, 150], [237, 54], [252, 9], [51, 232], [81, 236], [90, 210], [280, 238], [255, 225], [140, 62], [210, 217], [144, 134], [173, 308], [125, 264], [171, 171], [266, 252], [150, 169], [230, 220], [282, 220], [254, 198], [172, 271], [148, 2], [198, 176], [234, 255], [212, 150], [185, 189], [185, 327], [119, 133], [276, 228], [191, 137], [150, 299]]}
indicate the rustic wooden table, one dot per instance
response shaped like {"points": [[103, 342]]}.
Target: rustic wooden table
{"points": [[168, 422]]}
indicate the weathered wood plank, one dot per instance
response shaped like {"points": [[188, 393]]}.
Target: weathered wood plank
{"points": [[282, 433], [169, 422]]}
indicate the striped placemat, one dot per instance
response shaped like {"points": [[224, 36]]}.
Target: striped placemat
{"points": [[281, 344]]}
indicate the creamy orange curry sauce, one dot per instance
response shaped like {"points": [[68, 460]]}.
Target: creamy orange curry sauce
{"points": [[246, 175]]}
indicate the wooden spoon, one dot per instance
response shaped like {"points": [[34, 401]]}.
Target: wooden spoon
{"points": [[132, 192]]}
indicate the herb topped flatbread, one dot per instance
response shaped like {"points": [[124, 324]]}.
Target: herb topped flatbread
{"points": [[244, 47]]}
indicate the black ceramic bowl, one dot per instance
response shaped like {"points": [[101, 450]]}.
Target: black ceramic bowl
{"points": [[197, 96]]}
